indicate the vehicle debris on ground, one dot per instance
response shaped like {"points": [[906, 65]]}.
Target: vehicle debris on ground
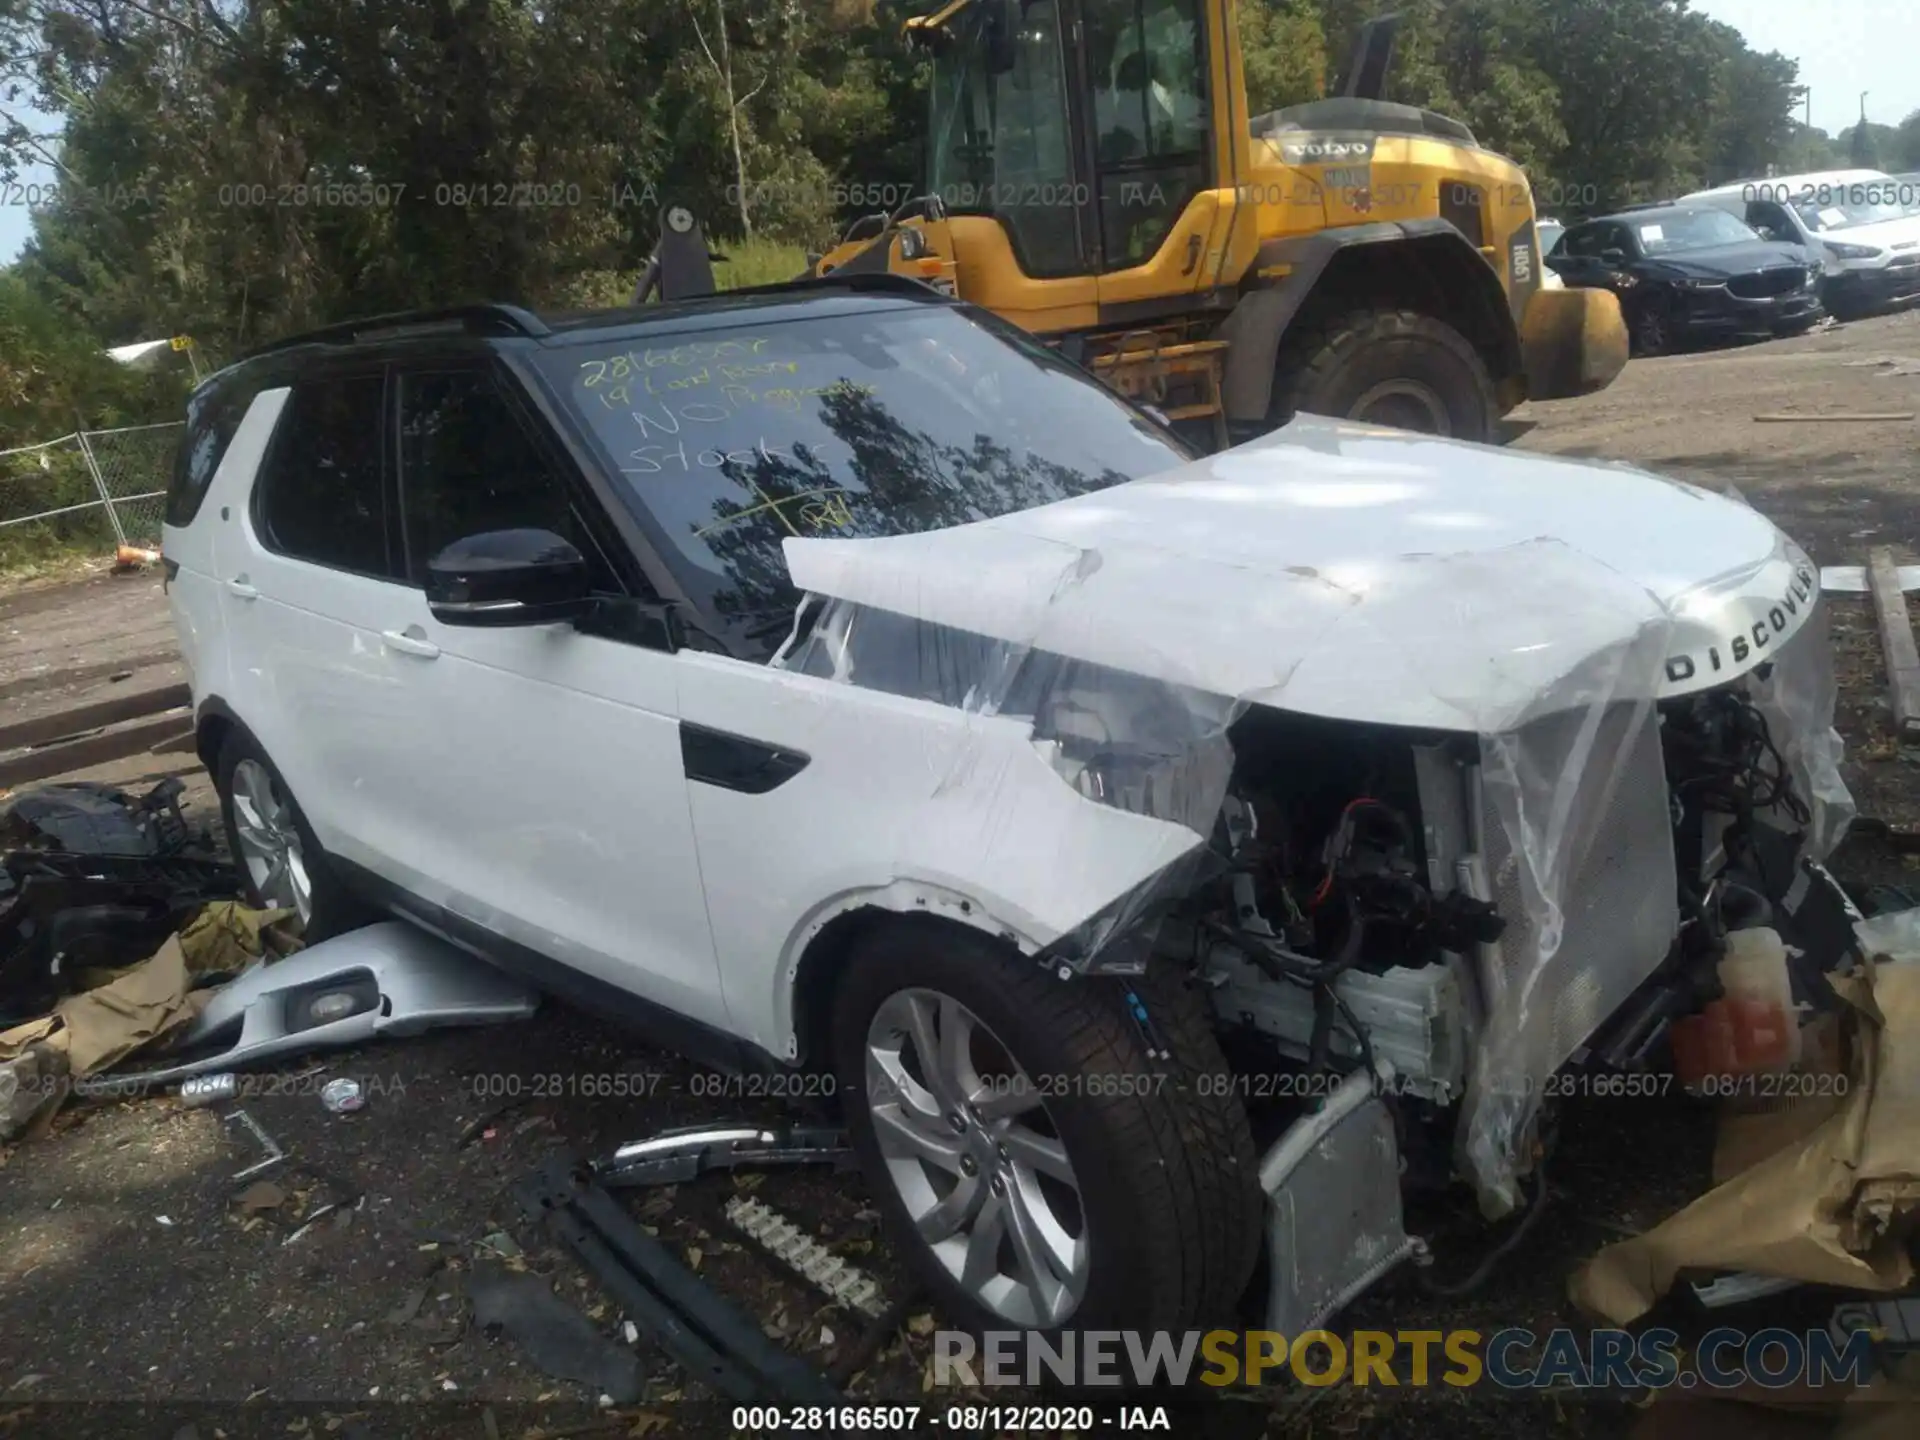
{"points": [[385, 979], [1822, 1189], [120, 933], [92, 879]]}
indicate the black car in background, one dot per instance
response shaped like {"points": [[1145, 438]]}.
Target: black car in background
{"points": [[1684, 272]]}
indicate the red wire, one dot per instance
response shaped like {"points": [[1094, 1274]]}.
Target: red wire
{"points": [[1326, 885]]}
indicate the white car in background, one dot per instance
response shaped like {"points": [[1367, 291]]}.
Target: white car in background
{"points": [[1548, 232], [1864, 224]]}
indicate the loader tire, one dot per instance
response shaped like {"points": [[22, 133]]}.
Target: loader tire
{"points": [[1387, 367], [1163, 1193]]}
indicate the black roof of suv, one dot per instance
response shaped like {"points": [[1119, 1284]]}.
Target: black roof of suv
{"points": [[498, 320], [940, 413]]}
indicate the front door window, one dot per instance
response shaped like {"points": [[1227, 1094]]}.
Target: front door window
{"points": [[1000, 139], [1147, 60]]}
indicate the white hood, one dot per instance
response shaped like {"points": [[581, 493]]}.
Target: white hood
{"points": [[1363, 573], [1883, 234]]}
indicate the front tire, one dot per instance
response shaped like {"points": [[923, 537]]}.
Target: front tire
{"points": [[1039, 1167], [1387, 367], [274, 847], [1650, 329]]}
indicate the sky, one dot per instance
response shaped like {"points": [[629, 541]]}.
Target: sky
{"points": [[1843, 46]]}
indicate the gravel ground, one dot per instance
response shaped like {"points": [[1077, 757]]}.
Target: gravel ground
{"points": [[138, 1296]]}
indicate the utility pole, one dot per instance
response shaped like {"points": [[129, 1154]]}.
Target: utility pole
{"points": [[1861, 152]]}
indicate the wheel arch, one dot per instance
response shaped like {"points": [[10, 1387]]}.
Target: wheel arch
{"points": [[213, 723], [817, 955], [1422, 265]]}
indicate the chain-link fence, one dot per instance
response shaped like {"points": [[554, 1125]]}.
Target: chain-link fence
{"points": [[87, 492]]}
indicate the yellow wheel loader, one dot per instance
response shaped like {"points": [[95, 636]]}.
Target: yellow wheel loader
{"points": [[1094, 177]]}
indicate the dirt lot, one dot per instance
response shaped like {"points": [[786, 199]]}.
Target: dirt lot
{"points": [[135, 1297]]}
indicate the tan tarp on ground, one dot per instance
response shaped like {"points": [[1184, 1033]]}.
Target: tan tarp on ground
{"points": [[1831, 1185], [98, 1028]]}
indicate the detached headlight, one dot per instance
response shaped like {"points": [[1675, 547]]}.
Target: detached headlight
{"points": [[1852, 252]]}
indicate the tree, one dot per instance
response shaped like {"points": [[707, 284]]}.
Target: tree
{"points": [[1283, 52], [723, 69], [1511, 104], [236, 168], [1903, 152], [1807, 148], [1754, 98], [1864, 142], [52, 375]]}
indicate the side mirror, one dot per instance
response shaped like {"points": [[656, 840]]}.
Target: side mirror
{"points": [[509, 577], [1613, 257]]}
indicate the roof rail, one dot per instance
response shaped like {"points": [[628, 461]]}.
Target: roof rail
{"points": [[481, 319], [885, 282]]}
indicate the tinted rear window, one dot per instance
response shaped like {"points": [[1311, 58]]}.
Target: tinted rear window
{"points": [[213, 414], [323, 496]]}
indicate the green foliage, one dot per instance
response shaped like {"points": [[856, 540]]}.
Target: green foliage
{"points": [[239, 168], [1810, 149], [758, 262], [1868, 146], [35, 483], [1283, 52], [53, 377]]}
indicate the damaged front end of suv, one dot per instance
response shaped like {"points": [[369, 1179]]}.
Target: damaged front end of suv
{"points": [[1480, 757]]}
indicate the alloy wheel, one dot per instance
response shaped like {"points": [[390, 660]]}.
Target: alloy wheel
{"points": [[1651, 331], [269, 841], [975, 1158]]}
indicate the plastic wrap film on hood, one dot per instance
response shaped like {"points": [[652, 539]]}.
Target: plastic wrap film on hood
{"points": [[1797, 694], [1137, 745], [1353, 574]]}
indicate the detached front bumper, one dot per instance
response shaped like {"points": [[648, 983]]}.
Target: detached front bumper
{"points": [[1572, 342]]}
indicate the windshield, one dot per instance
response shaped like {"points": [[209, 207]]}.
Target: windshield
{"points": [[1826, 208], [883, 422], [1669, 232]]}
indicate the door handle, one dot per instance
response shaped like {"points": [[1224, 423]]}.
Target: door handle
{"points": [[411, 641], [1194, 242], [241, 589]]}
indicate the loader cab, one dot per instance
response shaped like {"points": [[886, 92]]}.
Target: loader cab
{"points": [[1083, 131]]}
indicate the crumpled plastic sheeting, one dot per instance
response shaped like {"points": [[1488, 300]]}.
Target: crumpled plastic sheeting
{"points": [[1490, 642], [1797, 695]]}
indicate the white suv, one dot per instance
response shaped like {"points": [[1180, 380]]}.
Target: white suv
{"points": [[815, 678], [1865, 226]]}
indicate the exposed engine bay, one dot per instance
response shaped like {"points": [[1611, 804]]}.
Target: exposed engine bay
{"points": [[1364, 906], [1447, 774], [1458, 914]]}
